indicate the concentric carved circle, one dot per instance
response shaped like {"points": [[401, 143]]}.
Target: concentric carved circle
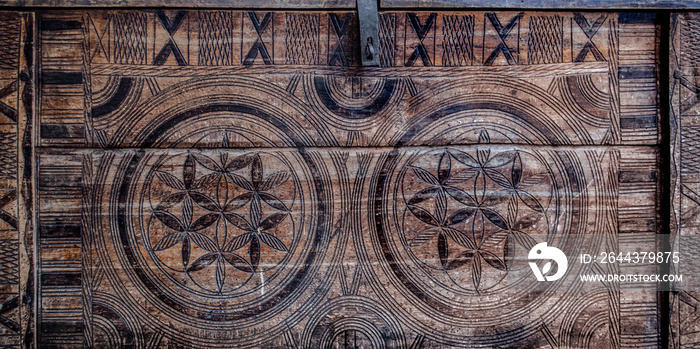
{"points": [[219, 112], [448, 220], [219, 235], [457, 112], [217, 239]]}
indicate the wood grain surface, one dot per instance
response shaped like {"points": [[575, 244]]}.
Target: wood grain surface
{"points": [[241, 4], [685, 327], [346, 4], [547, 4], [226, 178]]}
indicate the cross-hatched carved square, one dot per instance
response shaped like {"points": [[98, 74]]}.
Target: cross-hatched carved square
{"points": [[690, 37], [545, 40], [301, 36], [458, 40], [387, 39], [9, 41], [690, 157], [8, 156], [130, 38], [215, 38], [9, 262]]}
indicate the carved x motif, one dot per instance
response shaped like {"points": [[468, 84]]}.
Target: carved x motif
{"points": [[590, 29], [6, 307], [6, 199], [258, 45], [340, 28], [9, 112], [503, 32], [691, 320], [100, 47], [685, 82], [422, 31], [170, 46]]}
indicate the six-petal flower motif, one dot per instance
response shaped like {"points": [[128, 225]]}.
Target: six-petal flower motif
{"points": [[471, 207], [253, 225]]}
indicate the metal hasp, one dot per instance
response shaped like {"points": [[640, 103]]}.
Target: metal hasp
{"points": [[369, 32]]}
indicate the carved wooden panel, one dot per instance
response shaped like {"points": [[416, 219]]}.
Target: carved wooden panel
{"points": [[226, 178], [685, 327], [315, 247], [16, 235], [544, 78], [236, 179], [603, 5]]}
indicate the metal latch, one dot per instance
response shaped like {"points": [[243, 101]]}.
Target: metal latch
{"points": [[369, 32]]}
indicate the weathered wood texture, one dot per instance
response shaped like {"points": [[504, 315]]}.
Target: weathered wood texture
{"points": [[265, 4], [547, 4], [203, 171], [685, 114], [346, 4], [235, 179], [16, 233]]}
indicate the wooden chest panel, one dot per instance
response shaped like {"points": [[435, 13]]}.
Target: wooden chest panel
{"points": [[217, 178]]}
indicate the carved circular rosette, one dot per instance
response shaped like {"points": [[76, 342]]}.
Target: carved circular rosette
{"points": [[457, 212], [229, 241], [447, 221], [212, 239]]}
